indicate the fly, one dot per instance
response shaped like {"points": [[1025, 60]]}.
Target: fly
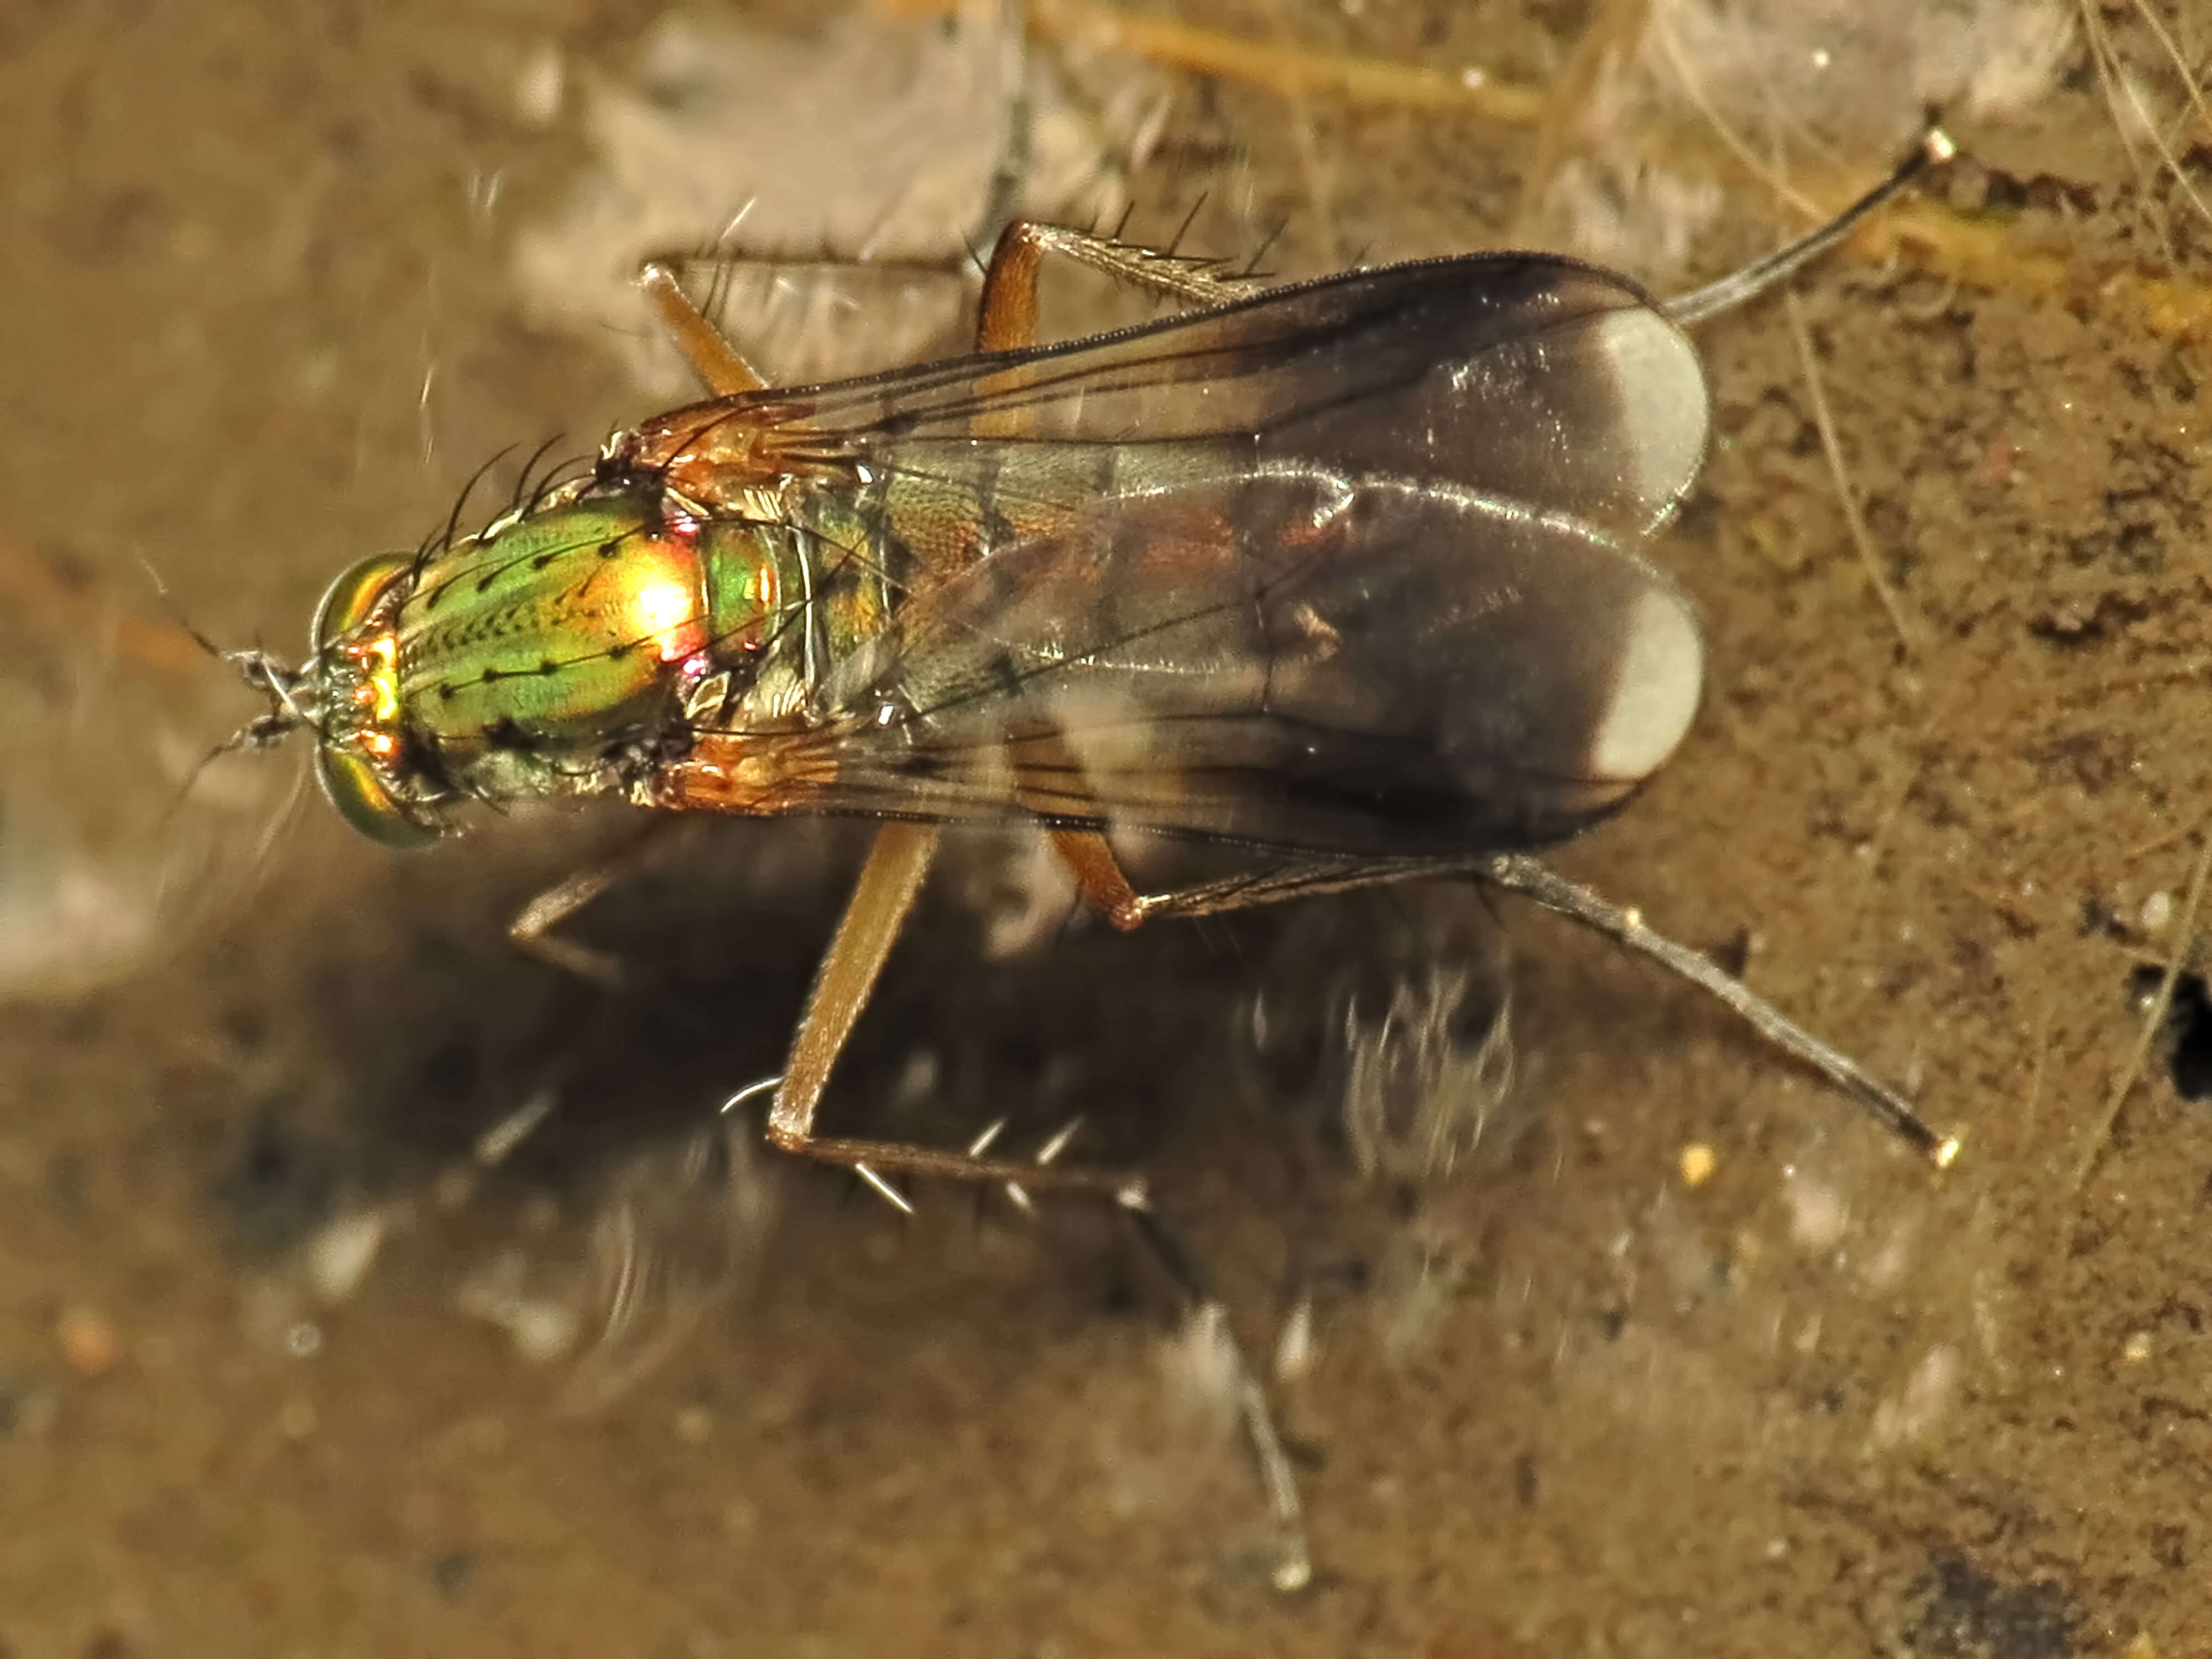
{"points": [[1347, 572]]}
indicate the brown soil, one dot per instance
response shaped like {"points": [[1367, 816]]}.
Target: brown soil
{"points": [[1561, 1403]]}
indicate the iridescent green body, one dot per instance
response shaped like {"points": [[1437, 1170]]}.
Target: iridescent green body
{"points": [[1347, 569], [566, 649]]}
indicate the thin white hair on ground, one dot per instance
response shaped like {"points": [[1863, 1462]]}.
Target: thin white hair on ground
{"points": [[2151, 77], [1417, 1094]]}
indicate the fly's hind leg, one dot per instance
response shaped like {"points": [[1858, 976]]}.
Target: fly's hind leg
{"points": [[1532, 879], [1099, 880]]}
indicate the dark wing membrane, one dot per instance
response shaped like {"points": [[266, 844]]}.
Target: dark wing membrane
{"points": [[1521, 377], [1294, 659]]}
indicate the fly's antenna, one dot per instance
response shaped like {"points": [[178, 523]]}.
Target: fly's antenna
{"points": [[287, 711], [284, 686], [183, 623], [274, 679], [1934, 147]]}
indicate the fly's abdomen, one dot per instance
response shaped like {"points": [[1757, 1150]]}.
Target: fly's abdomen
{"points": [[562, 630]]}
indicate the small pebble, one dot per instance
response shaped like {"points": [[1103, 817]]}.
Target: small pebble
{"points": [[340, 1256], [539, 84], [90, 1344], [1697, 1164], [453, 1189], [452, 1572], [694, 1424], [542, 1331], [1294, 1348]]}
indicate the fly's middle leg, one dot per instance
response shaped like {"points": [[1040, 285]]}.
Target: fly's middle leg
{"points": [[886, 894], [1293, 1562], [891, 880], [1098, 876], [1006, 320], [881, 900]]}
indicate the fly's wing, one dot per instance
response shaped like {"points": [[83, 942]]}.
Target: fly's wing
{"points": [[1295, 660], [1346, 567], [1522, 377]]}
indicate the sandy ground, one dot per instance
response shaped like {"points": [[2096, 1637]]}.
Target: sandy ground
{"points": [[262, 315]]}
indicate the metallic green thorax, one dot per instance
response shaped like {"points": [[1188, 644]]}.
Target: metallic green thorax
{"points": [[569, 648]]}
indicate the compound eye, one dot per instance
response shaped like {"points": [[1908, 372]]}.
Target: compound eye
{"points": [[355, 594], [365, 801]]}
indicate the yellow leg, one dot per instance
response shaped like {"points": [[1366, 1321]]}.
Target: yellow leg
{"points": [[1098, 876], [713, 359], [1007, 319], [897, 863], [885, 893], [533, 929]]}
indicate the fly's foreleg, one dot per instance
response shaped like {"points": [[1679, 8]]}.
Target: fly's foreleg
{"points": [[719, 365], [533, 928], [1008, 317]]}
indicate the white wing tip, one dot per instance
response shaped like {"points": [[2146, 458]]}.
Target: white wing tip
{"points": [[1654, 692], [1665, 413]]}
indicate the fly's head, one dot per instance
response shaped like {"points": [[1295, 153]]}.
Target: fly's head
{"points": [[347, 694]]}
